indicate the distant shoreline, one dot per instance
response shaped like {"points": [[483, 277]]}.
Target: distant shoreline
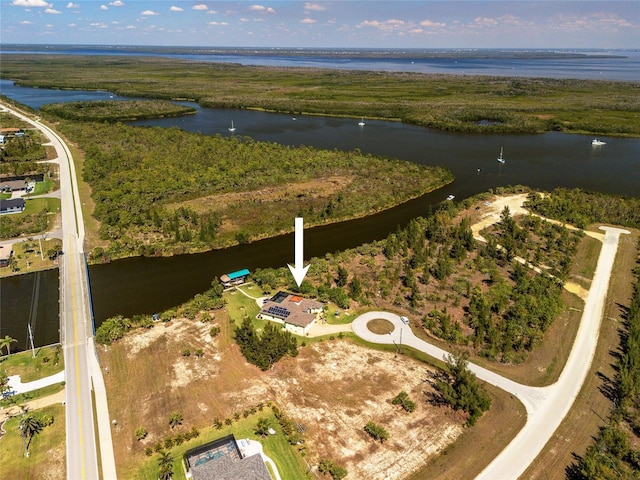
{"points": [[360, 53]]}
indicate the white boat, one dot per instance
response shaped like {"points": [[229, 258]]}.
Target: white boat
{"points": [[232, 128], [361, 122], [597, 142], [501, 158], [451, 197]]}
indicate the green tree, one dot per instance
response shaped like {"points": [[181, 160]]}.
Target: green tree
{"points": [[263, 426], [462, 390], [30, 426], [6, 343], [175, 419], [343, 276], [376, 432], [165, 465]]}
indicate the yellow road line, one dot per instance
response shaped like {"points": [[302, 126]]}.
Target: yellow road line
{"points": [[77, 364]]}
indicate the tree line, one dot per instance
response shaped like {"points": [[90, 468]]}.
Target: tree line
{"points": [[116, 110], [581, 208]]}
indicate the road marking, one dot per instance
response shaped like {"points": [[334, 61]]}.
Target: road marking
{"points": [[77, 363]]}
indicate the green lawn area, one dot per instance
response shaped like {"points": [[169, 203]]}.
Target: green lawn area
{"points": [[240, 306], [36, 205], [288, 460], [48, 361], [46, 452]]}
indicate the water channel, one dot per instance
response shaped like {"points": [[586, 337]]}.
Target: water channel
{"points": [[148, 285]]}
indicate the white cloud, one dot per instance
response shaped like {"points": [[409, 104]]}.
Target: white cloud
{"points": [[98, 25], [51, 11], [104, 7], [485, 22], [48, 25], [31, 3], [308, 21], [117, 3], [430, 24], [218, 24], [314, 7], [149, 13], [261, 8], [200, 6], [386, 25], [212, 12], [25, 22], [130, 27], [72, 5], [176, 9]]}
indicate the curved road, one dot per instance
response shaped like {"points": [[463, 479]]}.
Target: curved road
{"points": [[546, 406], [82, 371]]}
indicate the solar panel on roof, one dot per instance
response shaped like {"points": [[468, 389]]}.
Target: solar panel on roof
{"points": [[279, 311]]}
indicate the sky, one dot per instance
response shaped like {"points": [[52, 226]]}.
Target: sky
{"points": [[606, 24]]}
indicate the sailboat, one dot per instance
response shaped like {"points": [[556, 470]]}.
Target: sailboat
{"points": [[361, 122], [232, 128], [597, 142], [501, 158]]}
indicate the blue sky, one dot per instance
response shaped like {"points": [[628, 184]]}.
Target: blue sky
{"points": [[344, 23]]}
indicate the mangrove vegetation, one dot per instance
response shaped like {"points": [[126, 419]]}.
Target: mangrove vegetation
{"points": [[448, 102]]}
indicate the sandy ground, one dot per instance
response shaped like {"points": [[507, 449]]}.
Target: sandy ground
{"points": [[331, 389]]}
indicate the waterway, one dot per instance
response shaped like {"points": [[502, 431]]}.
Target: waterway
{"points": [[148, 285]]}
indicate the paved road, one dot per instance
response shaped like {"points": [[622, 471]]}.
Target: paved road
{"points": [[546, 406], [77, 331]]}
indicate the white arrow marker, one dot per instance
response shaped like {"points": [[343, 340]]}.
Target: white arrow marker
{"points": [[299, 271]]}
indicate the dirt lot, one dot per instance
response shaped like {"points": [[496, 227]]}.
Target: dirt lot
{"points": [[333, 388]]}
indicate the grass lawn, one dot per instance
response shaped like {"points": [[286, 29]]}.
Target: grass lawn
{"points": [[48, 361], [47, 450], [28, 258], [288, 460]]}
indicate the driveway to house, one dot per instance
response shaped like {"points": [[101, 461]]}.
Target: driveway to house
{"points": [[546, 406]]}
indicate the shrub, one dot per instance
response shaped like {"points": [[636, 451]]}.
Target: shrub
{"points": [[403, 400], [141, 433], [377, 432]]}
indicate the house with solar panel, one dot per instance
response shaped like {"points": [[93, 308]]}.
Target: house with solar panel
{"points": [[234, 278], [297, 314]]}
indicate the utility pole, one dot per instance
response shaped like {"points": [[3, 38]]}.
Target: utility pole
{"points": [[33, 350]]}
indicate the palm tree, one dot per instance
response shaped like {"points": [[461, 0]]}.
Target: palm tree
{"points": [[262, 428], [6, 343], [165, 462], [30, 426]]}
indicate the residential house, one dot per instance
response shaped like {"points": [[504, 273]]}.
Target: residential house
{"points": [[297, 314], [225, 459], [12, 205]]}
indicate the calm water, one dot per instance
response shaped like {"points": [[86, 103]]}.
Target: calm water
{"points": [[147, 285], [580, 64]]}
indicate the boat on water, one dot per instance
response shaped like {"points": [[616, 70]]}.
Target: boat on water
{"points": [[501, 158], [451, 197], [361, 122], [232, 128], [597, 142]]}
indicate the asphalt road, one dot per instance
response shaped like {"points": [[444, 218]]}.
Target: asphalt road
{"points": [[76, 330], [546, 406]]}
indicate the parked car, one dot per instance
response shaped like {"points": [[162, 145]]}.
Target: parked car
{"points": [[405, 320]]}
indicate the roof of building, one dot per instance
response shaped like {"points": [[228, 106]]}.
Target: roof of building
{"points": [[13, 184], [11, 203], [221, 460], [240, 273], [292, 309], [6, 251]]}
